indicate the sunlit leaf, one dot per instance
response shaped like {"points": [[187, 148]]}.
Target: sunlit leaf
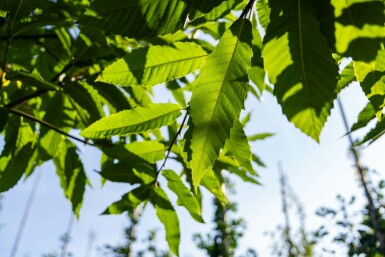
{"points": [[300, 65], [185, 198], [135, 120], [359, 28], [238, 147], [211, 183], [168, 217], [219, 96], [73, 179], [152, 65], [364, 117], [374, 133], [60, 115], [263, 10]]}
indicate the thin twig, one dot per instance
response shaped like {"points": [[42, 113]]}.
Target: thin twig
{"points": [[48, 125], [373, 212], [172, 143], [26, 213], [247, 9]]}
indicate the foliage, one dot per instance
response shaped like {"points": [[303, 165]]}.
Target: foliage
{"points": [[223, 241], [353, 228], [82, 72]]}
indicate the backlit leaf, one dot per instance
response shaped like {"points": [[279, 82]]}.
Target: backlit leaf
{"points": [[73, 179], [167, 215], [219, 96], [185, 198], [359, 28], [211, 183], [135, 120], [238, 147], [129, 201], [151, 151], [153, 65], [136, 18], [300, 65]]}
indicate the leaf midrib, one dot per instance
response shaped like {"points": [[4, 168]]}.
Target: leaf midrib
{"points": [[303, 66], [222, 85], [161, 64]]}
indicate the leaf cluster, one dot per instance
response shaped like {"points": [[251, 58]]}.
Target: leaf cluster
{"points": [[83, 72]]}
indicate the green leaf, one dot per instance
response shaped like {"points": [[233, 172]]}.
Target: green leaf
{"points": [[260, 136], [372, 82], [135, 120], [212, 10], [129, 171], [300, 65], [185, 198], [136, 18], [153, 65], [59, 114], [71, 173], [112, 96], [263, 10], [31, 79], [168, 217], [211, 183], [16, 155], [374, 87], [374, 133], [230, 164], [86, 101], [347, 76], [364, 117], [257, 72], [15, 167], [151, 151], [238, 147], [359, 28], [129, 201], [219, 96]]}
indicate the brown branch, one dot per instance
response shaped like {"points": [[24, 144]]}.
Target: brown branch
{"points": [[48, 125]]}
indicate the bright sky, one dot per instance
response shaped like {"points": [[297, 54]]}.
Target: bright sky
{"points": [[317, 173]]}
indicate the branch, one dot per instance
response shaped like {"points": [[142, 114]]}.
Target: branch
{"points": [[172, 143], [247, 9], [48, 125]]}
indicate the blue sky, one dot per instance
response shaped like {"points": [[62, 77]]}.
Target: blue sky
{"points": [[317, 173]]}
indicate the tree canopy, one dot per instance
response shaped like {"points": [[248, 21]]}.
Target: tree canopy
{"points": [[81, 72]]}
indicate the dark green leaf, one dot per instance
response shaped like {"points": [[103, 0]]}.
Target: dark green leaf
{"points": [[129, 201], [300, 65], [136, 18]]}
